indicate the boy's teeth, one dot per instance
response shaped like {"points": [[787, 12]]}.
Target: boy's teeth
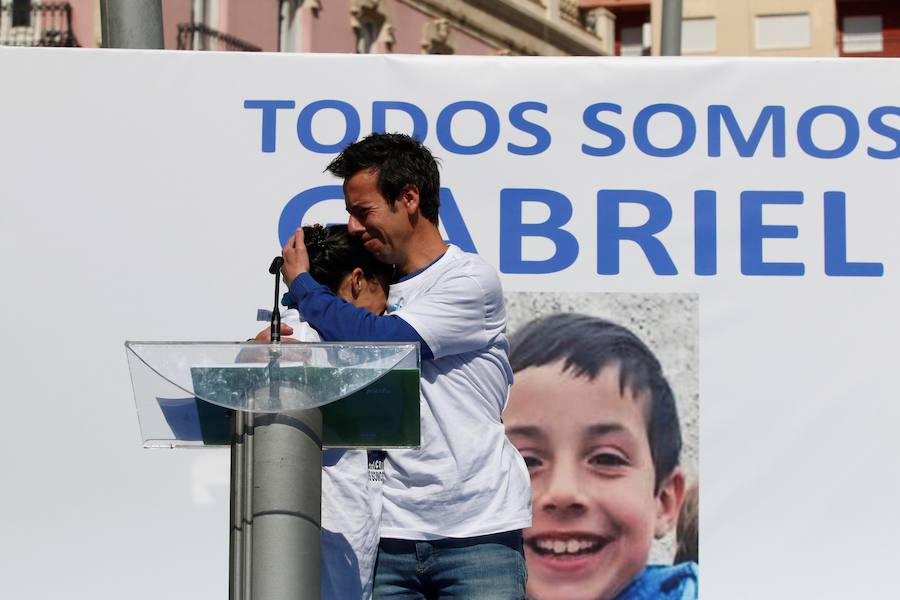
{"points": [[570, 546]]}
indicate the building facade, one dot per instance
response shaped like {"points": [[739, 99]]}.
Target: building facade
{"points": [[482, 27], [760, 27]]}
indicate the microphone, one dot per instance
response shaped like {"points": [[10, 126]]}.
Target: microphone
{"points": [[275, 329]]}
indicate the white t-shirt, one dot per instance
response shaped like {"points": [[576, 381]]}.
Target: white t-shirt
{"points": [[351, 508], [466, 479]]}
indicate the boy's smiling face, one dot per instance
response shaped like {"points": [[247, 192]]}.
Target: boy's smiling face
{"points": [[592, 476]]}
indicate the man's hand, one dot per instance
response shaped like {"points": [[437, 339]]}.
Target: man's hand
{"points": [[296, 260], [266, 334], [259, 355]]}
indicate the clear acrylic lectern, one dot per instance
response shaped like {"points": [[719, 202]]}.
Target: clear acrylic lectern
{"points": [[276, 405]]}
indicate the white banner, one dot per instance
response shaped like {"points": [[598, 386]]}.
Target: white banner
{"points": [[754, 203]]}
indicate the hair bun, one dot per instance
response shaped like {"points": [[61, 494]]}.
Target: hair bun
{"points": [[314, 238]]}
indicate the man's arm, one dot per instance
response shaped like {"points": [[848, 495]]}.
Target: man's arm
{"points": [[337, 320], [296, 259]]}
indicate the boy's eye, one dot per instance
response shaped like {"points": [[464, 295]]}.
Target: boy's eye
{"points": [[532, 461], [607, 459]]}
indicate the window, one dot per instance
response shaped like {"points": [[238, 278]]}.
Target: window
{"points": [[779, 32], [21, 13], [205, 13], [290, 26], [366, 34], [635, 40], [370, 20], [698, 35], [863, 34]]}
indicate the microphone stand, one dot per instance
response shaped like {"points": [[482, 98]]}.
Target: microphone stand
{"points": [[275, 325], [275, 334]]}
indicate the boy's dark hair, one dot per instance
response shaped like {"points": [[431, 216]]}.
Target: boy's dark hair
{"points": [[586, 345], [399, 160], [333, 253]]}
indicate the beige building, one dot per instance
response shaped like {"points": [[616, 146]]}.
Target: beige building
{"points": [[759, 27], [753, 27]]}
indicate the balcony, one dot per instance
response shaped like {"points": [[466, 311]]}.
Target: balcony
{"points": [[197, 36], [37, 24]]}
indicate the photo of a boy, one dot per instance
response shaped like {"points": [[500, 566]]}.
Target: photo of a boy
{"points": [[596, 421]]}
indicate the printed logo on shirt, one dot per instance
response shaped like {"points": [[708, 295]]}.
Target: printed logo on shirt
{"points": [[396, 306], [376, 465]]}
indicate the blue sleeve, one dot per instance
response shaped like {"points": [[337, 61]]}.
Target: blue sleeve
{"points": [[337, 320]]}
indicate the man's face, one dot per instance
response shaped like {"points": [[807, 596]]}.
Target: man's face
{"points": [[592, 479], [383, 229]]}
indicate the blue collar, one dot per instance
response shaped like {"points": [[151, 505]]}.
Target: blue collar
{"points": [[417, 271]]}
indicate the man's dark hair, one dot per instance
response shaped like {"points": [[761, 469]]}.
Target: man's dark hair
{"points": [[586, 345], [399, 160], [334, 253]]}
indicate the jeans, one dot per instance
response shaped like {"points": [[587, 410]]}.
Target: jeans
{"points": [[487, 567]]}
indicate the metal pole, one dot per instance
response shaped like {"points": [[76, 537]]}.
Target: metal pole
{"points": [[132, 24], [246, 558], [671, 28], [287, 505], [237, 538]]}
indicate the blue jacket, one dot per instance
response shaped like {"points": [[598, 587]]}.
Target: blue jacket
{"points": [[663, 582]]}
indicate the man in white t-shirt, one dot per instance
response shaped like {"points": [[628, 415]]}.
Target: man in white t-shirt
{"points": [[455, 507]]}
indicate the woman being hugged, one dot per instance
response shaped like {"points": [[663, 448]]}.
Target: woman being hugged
{"points": [[351, 495]]}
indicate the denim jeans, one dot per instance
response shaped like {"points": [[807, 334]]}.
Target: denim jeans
{"points": [[488, 567]]}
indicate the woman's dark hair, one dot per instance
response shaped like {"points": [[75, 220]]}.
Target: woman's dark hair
{"points": [[399, 160], [586, 345], [333, 253], [687, 530]]}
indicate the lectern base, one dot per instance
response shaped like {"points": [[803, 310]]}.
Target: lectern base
{"points": [[276, 498]]}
